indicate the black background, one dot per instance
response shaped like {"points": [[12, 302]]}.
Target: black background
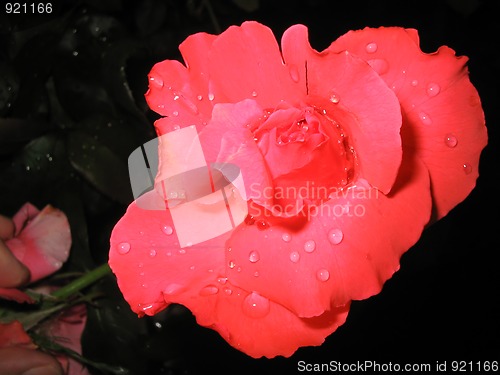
{"points": [[68, 122]]}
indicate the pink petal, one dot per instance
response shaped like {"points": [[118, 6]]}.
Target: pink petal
{"points": [[43, 244], [443, 118], [227, 139], [13, 334], [67, 331], [256, 326], [354, 96], [346, 251], [245, 62], [22, 217], [15, 295], [181, 92], [151, 268]]}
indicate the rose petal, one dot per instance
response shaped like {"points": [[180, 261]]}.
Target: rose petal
{"points": [[181, 92], [337, 256], [43, 244], [13, 334], [23, 216], [443, 118], [15, 295], [358, 100], [67, 330], [257, 326], [252, 49], [149, 263]]}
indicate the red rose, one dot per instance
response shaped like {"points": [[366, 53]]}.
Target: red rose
{"points": [[340, 157]]}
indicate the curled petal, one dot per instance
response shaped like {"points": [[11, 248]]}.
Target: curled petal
{"points": [[353, 95], [443, 119], [346, 249]]}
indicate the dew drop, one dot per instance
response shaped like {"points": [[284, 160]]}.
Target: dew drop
{"points": [[334, 98], [256, 274], [228, 291], [371, 47], [167, 229], [254, 94], [152, 253], [467, 168], [286, 237], [424, 117], [262, 224], [335, 236], [323, 275], [433, 89], [254, 257], [222, 280], [231, 264], [156, 82], [199, 97], [309, 246], [379, 65], [294, 256], [209, 290], [211, 96], [294, 73], [123, 248], [414, 83], [256, 306], [175, 113], [450, 140]]}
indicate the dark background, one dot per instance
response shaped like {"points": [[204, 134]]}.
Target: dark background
{"points": [[72, 109]]}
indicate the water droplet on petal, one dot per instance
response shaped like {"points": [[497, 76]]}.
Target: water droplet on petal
{"points": [[254, 94], [228, 291], [209, 290], [256, 306], [433, 89], [199, 97], [379, 65], [123, 248], [414, 82], [309, 246], [424, 117], [294, 256], [152, 253], [450, 140], [211, 96], [156, 82], [222, 280], [254, 257], [371, 47], [334, 97], [175, 113], [335, 236], [167, 229], [323, 275], [294, 73], [467, 168], [231, 264], [262, 224], [286, 237]]}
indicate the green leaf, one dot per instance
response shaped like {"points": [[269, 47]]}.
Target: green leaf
{"points": [[100, 166]]}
